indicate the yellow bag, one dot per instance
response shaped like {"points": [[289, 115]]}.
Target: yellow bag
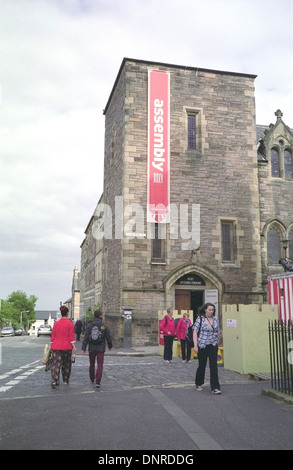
{"points": [[47, 353]]}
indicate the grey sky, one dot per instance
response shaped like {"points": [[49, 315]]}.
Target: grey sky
{"points": [[58, 63]]}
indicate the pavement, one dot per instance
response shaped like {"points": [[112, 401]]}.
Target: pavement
{"points": [[144, 405], [227, 376]]}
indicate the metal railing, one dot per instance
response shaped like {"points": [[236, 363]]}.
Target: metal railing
{"points": [[281, 356]]}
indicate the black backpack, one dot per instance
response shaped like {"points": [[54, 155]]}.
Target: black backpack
{"points": [[176, 322], [189, 334], [97, 334]]}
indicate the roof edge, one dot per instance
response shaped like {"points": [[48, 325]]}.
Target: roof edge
{"points": [[186, 67]]}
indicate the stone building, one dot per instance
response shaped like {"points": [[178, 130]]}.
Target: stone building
{"points": [[275, 187], [196, 198], [73, 303], [91, 266]]}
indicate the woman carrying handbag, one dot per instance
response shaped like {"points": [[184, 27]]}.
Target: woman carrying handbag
{"points": [[206, 330]]}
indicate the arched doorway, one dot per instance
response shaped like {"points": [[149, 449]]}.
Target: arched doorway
{"points": [[189, 294], [192, 291], [192, 285]]}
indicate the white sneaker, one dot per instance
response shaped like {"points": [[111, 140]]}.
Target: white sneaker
{"points": [[183, 362], [216, 392], [198, 388]]}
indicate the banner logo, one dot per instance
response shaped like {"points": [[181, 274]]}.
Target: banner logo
{"points": [[158, 200]]}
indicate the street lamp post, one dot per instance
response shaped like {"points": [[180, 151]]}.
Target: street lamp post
{"points": [[24, 311]]}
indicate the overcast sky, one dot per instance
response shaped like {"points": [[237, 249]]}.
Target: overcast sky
{"points": [[58, 63]]}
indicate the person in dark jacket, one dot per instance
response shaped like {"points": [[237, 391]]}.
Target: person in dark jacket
{"points": [[78, 328], [96, 349]]}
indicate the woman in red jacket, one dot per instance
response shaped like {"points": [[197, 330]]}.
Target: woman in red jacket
{"points": [[168, 328], [181, 331], [62, 343]]}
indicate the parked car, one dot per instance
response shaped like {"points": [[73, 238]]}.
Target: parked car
{"points": [[19, 331], [44, 330], [7, 331]]}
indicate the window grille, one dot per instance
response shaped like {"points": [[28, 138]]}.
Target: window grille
{"points": [[274, 246], [191, 132], [275, 163], [228, 248]]}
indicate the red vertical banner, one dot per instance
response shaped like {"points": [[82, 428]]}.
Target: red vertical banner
{"points": [[158, 199]]}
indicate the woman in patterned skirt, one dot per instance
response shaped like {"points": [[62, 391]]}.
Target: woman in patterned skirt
{"points": [[62, 343]]}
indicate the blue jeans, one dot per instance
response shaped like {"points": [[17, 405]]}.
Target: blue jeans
{"points": [[210, 352]]}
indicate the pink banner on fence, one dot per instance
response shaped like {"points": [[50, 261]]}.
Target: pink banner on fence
{"points": [[280, 290]]}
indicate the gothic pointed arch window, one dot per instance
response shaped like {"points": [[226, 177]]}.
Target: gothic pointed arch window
{"points": [[290, 244], [274, 238], [276, 148], [288, 164], [275, 162]]}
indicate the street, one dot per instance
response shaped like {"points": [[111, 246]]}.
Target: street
{"points": [[143, 404]]}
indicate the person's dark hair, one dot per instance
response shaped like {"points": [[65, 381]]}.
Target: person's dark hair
{"points": [[64, 310], [202, 310], [98, 313]]}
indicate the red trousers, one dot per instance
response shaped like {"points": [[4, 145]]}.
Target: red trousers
{"points": [[96, 377]]}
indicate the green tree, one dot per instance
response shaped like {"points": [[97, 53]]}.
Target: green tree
{"points": [[7, 313], [89, 316], [23, 308]]}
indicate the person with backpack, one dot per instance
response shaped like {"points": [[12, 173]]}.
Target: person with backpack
{"points": [[97, 334], [182, 335], [206, 330], [168, 328]]}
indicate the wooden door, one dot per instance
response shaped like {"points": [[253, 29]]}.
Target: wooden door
{"points": [[182, 300]]}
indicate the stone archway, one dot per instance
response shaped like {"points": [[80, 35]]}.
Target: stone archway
{"points": [[212, 280], [197, 269]]}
